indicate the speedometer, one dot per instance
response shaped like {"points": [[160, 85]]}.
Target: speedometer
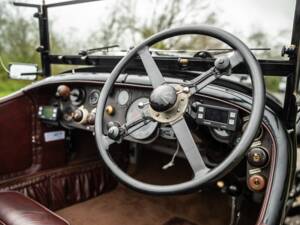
{"points": [[142, 130]]}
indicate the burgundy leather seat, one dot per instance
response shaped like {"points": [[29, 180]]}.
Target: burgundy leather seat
{"points": [[16, 209]]}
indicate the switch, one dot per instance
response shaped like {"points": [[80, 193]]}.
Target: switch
{"points": [[91, 118], [231, 122], [257, 182], [257, 157]]}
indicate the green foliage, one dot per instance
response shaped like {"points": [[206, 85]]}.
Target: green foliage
{"points": [[272, 83], [19, 39], [18, 42], [8, 86]]}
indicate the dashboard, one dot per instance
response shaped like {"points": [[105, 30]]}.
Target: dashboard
{"points": [[216, 124]]}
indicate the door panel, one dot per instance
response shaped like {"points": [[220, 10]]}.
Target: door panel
{"points": [[16, 130]]}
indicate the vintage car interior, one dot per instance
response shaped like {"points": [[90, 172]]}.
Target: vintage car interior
{"points": [[142, 139]]}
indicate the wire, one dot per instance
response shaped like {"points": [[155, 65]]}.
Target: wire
{"points": [[3, 66], [171, 163]]}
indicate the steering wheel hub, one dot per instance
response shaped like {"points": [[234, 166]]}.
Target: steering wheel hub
{"points": [[163, 98], [174, 101]]}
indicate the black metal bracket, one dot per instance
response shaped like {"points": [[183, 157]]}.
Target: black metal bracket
{"points": [[292, 82]]}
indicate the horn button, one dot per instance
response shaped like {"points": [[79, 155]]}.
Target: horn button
{"points": [[168, 103], [163, 98]]}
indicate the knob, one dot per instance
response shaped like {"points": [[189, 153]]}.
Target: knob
{"points": [[257, 157], [110, 110], [78, 115], [257, 182], [222, 64], [114, 132], [91, 118], [63, 91]]}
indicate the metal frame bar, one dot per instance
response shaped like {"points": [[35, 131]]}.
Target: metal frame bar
{"points": [[290, 101], [23, 4], [42, 14], [70, 3], [107, 63]]}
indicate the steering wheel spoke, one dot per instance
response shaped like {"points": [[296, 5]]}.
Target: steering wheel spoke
{"points": [[235, 59], [203, 80], [213, 73], [189, 147], [108, 142], [151, 67]]}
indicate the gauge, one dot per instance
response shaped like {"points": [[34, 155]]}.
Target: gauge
{"points": [[221, 135], [77, 96], [142, 130], [93, 97], [123, 97]]}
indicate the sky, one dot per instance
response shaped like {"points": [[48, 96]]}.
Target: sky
{"points": [[237, 16]]}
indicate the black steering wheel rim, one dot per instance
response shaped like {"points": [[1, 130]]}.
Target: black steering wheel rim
{"points": [[237, 153]]}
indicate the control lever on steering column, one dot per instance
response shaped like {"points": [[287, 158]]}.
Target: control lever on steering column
{"points": [[114, 131]]}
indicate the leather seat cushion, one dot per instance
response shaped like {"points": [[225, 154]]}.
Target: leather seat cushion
{"points": [[16, 209]]}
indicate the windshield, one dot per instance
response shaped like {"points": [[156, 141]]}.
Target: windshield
{"points": [[260, 24]]}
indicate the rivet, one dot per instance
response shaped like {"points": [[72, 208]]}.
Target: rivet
{"points": [[220, 184]]}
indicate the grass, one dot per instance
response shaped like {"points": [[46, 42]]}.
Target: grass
{"points": [[9, 86]]}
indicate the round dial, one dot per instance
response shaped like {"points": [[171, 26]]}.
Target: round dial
{"points": [[77, 96], [93, 97], [142, 130], [123, 97]]}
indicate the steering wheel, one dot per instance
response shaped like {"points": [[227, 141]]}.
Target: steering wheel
{"points": [[168, 103]]}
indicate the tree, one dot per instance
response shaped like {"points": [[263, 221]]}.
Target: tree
{"points": [[19, 38], [126, 26]]}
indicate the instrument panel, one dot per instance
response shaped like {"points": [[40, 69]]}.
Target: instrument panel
{"points": [[216, 125]]}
